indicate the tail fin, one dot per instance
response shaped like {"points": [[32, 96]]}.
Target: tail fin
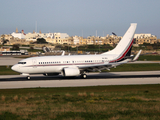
{"points": [[129, 52], [125, 43]]}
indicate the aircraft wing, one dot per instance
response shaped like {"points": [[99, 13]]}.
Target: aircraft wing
{"points": [[100, 67]]}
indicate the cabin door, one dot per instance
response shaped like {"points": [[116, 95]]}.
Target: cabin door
{"points": [[34, 62]]}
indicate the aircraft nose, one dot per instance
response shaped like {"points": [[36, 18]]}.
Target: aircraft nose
{"points": [[14, 67]]}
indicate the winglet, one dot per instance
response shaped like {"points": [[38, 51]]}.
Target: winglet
{"points": [[137, 56], [63, 53]]}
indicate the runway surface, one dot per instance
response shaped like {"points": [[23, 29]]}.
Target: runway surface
{"points": [[93, 79]]}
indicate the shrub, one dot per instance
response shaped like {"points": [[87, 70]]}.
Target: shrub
{"points": [[3, 98], [15, 98]]}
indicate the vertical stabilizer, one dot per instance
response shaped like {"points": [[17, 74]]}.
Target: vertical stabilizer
{"points": [[125, 43]]}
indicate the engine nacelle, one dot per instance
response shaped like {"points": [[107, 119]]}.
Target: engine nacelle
{"points": [[70, 72]]}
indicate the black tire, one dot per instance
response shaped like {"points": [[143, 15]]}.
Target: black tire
{"points": [[45, 74], [84, 76], [28, 77]]}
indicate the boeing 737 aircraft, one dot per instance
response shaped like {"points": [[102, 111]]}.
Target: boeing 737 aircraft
{"points": [[75, 65]]}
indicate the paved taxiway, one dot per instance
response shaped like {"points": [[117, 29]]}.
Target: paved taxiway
{"points": [[94, 79], [7, 60]]}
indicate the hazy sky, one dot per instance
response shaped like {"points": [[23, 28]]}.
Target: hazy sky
{"points": [[75, 16]]}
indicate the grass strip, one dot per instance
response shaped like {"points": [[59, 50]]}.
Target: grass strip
{"points": [[6, 70], [80, 103], [149, 58], [136, 67]]}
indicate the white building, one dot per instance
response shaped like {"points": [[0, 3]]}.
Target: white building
{"points": [[18, 35], [75, 40], [35, 36], [60, 35], [143, 35], [50, 35]]}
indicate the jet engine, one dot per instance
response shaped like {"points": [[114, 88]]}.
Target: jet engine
{"points": [[70, 72]]}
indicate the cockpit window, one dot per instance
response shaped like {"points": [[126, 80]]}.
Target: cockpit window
{"points": [[21, 62]]}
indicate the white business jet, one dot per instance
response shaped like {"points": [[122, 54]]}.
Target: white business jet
{"points": [[75, 65]]}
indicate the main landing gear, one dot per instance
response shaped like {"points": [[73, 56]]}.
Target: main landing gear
{"points": [[84, 76], [28, 77]]}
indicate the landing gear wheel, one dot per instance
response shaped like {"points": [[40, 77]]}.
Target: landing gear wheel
{"points": [[45, 74], [84, 76], [28, 77]]}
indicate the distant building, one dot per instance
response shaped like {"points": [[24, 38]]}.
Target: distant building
{"points": [[145, 38], [18, 35], [76, 40], [50, 35], [60, 35], [50, 40], [61, 38], [6, 37], [143, 35], [32, 37]]}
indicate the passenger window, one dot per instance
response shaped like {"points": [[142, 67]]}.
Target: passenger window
{"points": [[21, 62]]}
